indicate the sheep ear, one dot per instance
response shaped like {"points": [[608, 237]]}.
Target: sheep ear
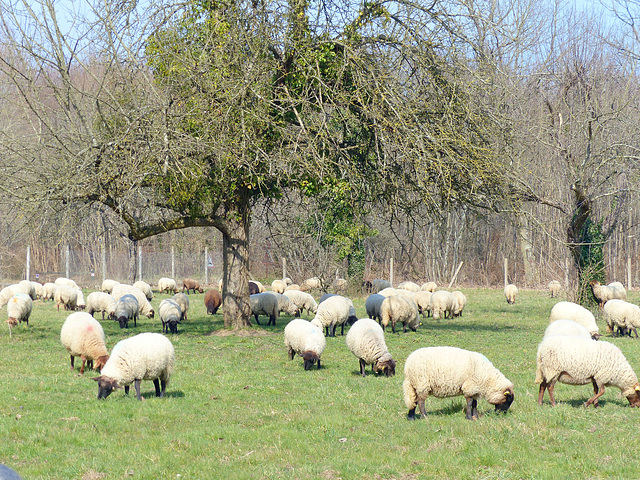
{"points": [[507, 392], [637, 388], [97, 379]]}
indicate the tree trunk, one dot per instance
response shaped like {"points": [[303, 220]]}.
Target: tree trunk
{"points": [[526, 249], [132, 267], [235, 260]]}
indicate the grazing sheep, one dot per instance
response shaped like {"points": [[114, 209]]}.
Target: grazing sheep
{"points": [[372, 306], [101, 302], [578, 361], [287, 281], [577, 313], [147, 356], [449, 372], [108, 284], [303, 300], [623, 315], [278, 286], [260, 286], [170, 314], [167, 285], [334, 311], [191, 284], [411, 286], [366, 341], [127, 308], [429, 287], [29, 289], [459, 304], [397, 309], [80, 303], [567, 327], [554, 288], [19, 309], [83, 337], [38, 288], [49, 291], [182, 300], [265, 304], [404, 293], [510, 293], [144, 306], [253, 288], [313, 283], [66, 296], [212, 300], [443, 303], [66, 282], [423, 300], [604, 293], [144, 288], [305, 339], [379, 284], [293, 286], [285, 305], [7, 292]]}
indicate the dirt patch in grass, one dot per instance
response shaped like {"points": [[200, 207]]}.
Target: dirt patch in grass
{"points": [[244, 332], [93, 475]]}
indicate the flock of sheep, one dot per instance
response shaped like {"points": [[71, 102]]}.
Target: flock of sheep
{"points": [[569, 351]]}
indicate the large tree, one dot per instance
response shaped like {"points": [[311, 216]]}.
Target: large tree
{"points": [[186, 115]]}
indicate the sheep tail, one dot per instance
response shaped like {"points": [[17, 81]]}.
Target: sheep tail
{"points": [[410, 396]]}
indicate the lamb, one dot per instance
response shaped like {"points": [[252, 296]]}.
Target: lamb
{"points": [[101, 302], [264, 304], [305, 339], [212, 300], [303, 300], [379, 284], [604, 293], [191, 284], [460, 303], [579, 361], [510, 293], [49, 290], [285, 305], [429, 287], [366, 341], [108, 284], [147, 356], [66, 296], [567, 327], [278, 286], [423, 300], [554, 288], [144, 306], [372, 306], [334, 311], [411, 286], [170, 314], [19, 309], [449, 372], [127, 308], [397, 309], [144, 288], [167, 285], [182, 300], [621, 314], [443, 303], [577, 313], [66, 282], [83, 337]]}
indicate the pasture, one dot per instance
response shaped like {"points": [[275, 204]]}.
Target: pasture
{"points": [[236, 407]]}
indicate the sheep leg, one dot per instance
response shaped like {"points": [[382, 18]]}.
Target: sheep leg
{"points": [[333, 330], [257, 322], [126, 390], [318, 364], [423, 410], [543, 386], [163, 387], [292, 354], [156, 383], [393, 327], [362, 366], [635, 330], [84, 360], [550, 388], [272, 320], [342, 330], [137, 386], [72, 362], [472, 408], [412, 414], [594, 400]]}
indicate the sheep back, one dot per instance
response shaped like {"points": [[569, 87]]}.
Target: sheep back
{"points": [[108, 284], [144, 288], [397, 309], [622, 314], [212, 300], [305, 339], [170, 315], [510, 293], [442, 303], [366, 341], [335, 310], [83, 336], [144, 307], [264, 304], [577, 313], [303, 300], [167, 285], [564, 326], [66, 297], [19, 309], [101, 302]]}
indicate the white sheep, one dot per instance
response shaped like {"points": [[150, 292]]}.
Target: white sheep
{"points": [[80, 303], [303, 300], [411, 286], [144, 288], [408, 294], [108, 284], [83, 337], [65, 296], [278, 286], [577, 313], [38, 288], [443, 303], [387, 292], [510, 293], [313, 283], [49, 290], [397, 309], [460, 302], [366, 341], [285, 305], [554, 288], [127, 308], [264, 304], [293, 286], [167, 285], [7, 292], [305, 339], [579, 361], [147, 356], [144, 306], [182, 300], [623, 315], [567, 327], [101, 302], [423, 300], [604, 293], [335, 310], [170, 314], [449, 372], [372, 306], [19, 309], [66, 282], [429, 287], [29, 289]]}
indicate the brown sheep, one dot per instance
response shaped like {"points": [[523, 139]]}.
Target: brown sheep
{"points": [[212, 300], [191, 284]]}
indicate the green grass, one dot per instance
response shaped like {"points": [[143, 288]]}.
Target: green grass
{"points": [[238, 408]]}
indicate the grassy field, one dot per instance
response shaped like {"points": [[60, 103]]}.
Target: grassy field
{"points": [[238, 408]]}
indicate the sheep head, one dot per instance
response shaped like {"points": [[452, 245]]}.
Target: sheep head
{"points": [[106, 385], [507, 401]]}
